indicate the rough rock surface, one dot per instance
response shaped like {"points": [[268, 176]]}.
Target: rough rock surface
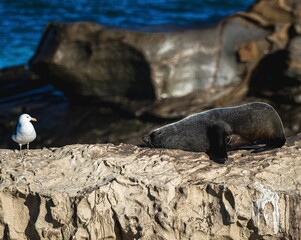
{"points": [[127, 192]]}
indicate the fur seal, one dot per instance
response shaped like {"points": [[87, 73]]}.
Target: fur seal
{"points": [[217, 130]]}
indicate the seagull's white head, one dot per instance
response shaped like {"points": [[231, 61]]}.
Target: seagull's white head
{"points": [[25, 118]]}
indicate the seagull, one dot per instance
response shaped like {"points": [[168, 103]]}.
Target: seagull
{"points": [[24, 133]]}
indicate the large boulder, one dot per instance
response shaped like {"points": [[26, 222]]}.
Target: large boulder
{"points": [[89, 60], [249, 53], [127, 192]]}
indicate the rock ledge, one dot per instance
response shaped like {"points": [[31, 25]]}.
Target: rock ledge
{"points": [[127, 192]]}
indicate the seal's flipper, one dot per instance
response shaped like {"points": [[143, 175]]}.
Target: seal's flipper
{"points": [[235, 141], [217, 149], [263, 149], [270, 144]]}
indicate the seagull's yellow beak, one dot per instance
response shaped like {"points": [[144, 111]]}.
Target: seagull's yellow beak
{"points": [[33, 119]]}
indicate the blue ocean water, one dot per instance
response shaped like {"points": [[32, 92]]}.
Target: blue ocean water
{"points": [[22, 22]]}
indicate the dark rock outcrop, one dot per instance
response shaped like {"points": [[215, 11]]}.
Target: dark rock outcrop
{"points": [[250, 53], [90, 60], [17, 80]]}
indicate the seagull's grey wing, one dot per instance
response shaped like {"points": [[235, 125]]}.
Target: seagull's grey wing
{"points": [[17, 126]]}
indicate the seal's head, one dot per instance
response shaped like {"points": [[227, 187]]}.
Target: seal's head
{"points": [[170, 137], [178, 135], [155, 139]]}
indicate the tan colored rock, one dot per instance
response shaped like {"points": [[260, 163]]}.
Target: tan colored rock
{"points": [[127, 192]]}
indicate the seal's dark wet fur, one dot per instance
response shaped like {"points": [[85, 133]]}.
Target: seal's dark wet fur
{"points": [[218, 130]]}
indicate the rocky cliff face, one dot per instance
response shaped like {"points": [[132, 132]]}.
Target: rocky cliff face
{"points": [[127, 192]]}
